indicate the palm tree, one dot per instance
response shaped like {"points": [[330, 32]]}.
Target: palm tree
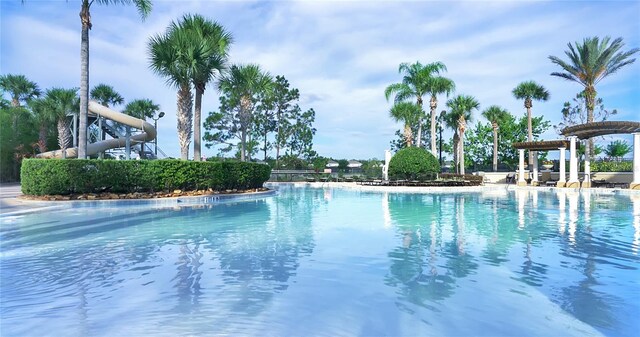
{"points": [[143, 7], [496, 115], [245, 82], [589, 63], [530, 90], [408, 113], [209, 64], [61, 103], [141, 108], [43, 117], [436, 86], [461, 107], [106, 95], [415, 84], [20, 88], [171, 54]]}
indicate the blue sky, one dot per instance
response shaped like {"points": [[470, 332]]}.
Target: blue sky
{"points": [[340, 54]]}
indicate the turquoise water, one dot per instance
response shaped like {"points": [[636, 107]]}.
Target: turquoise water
{"points": [[328, 262]]}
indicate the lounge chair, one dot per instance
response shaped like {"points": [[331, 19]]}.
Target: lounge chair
{"points": [[511, 178]]}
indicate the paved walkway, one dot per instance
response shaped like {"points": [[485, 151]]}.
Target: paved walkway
{"points": [[9, 203]]}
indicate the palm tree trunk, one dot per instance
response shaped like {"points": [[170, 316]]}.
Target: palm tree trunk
{"points": [[243, 144], [42, 138], [434, 106], [185, 116], [456, 150], [196, 124], [419, 139], [530, 136], [85, 19], [63, 136], [265, 146], [590, 99], [461, 151], [495, 148], [407, 135]]}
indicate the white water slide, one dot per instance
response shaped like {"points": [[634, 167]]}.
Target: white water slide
{"points": [[148, 134]]}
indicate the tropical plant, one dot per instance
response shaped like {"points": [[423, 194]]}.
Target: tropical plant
{"points": [[436, 86], [416, 81], [496, 116], [461, 108], [20, 88], [143, 7], [171, 55], [407, 113], [617, 149], [529, 91], [141, 108], [413, 163], [62, 102], [241, 88], [574, 113], [42, 115], [106, 95], [589, 63], [212, 43]]}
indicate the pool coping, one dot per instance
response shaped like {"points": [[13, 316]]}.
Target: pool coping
{"points": [[454, 189], [31, 206]]}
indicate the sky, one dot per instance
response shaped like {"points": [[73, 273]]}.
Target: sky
{"points": [[340, 55]]}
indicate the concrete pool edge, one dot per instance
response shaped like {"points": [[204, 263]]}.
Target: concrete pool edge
{"points": [[467, 189], [25, 206]]}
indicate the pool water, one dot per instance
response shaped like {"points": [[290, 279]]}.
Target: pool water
{"points": [[328, 262]]}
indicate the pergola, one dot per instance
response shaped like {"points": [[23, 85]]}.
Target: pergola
{"points": [[546, 145], [590, 130]]}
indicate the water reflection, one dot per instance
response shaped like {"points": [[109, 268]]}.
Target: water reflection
{"points": [[636, 223]]}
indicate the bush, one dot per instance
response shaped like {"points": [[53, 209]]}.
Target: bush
{"points": [[61, 176], [414, 163], [475, 180], [610, 166]]}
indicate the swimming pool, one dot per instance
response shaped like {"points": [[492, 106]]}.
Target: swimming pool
{"points": [[330, 262]]}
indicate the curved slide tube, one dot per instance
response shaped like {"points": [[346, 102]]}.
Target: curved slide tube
{"points": [[97, 109]]}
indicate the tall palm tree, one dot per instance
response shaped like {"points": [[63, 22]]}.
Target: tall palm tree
{"points": [[245, 82], [414, 85], [209, 64], [143, 7], [62, 102], [20, 88], [496, 115], [461, 108], [171, 54], [436, 86], [589, 63], [408, 113], [530, 90], [106, 95]]}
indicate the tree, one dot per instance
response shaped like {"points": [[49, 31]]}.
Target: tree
{"points": [[496, 116], [300, 141], [20, 88], [407, 113], [616, 150], [241, 88], [171, 55], [415, 84], [529, 91], [106, 95], [574, 113], [436, 86], [141, 108], [212, 43], [62, 102], [43, 116], [143, 7], [461, 108], [589, 63]]}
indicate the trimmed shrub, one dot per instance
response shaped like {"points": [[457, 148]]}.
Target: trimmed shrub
{"points": [[61, 176], [414, 163], [475, 180], [610, 166]]}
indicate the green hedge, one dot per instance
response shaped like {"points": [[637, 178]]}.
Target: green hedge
{"points": [[610, 166], [60, 176], [414, 163], [470, 177]]}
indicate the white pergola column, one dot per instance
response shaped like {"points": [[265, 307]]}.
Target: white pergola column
{"points": [[534, 178], [586, 182], [521, 181], [562, 170], [573, 164], [635, 185]]}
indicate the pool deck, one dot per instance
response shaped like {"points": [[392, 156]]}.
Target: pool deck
{"points": [[12, 204]]}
